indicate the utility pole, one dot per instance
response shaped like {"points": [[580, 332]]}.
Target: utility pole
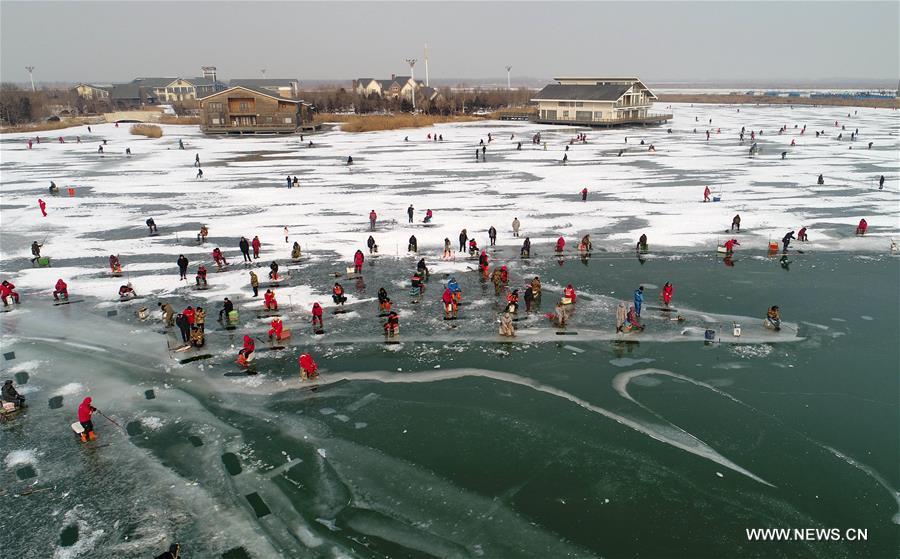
{"points": [[508, 68], [263, 73], [426, 66], [412, 75], [31, 75]]}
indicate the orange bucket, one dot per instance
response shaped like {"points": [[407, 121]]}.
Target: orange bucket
{"points": [[71, 191], [773, 247]]}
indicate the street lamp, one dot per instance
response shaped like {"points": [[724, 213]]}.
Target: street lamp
{"points": [[508, 68], [412, 75], [31, 75]]}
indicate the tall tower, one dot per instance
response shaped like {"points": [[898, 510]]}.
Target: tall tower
{"points": [[426, 66], [31, 75], [412, 75]]}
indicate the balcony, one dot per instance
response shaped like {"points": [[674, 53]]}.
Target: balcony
{"points": [[649, 118]]}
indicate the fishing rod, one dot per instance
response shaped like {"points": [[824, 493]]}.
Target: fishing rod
{"points": [[111, 420]]}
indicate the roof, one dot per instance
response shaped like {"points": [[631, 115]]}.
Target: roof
{"points": [[129, 91], [285, 82], [106, 86], [582, 92], [599, 78], [259, 90], [153, 82], [200, 81]]}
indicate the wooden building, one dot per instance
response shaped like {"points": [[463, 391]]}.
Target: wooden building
{"points": [[597, 102], [248, 110]]}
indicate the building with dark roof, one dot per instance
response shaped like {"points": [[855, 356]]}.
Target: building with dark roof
{"points": [[252, 110], [597, 102], [284, 87], [397, 86]]}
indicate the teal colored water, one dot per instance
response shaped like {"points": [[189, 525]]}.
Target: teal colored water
{"points": [[465, 447]]}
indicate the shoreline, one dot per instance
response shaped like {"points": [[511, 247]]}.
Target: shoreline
{"points": [[730, 99]]}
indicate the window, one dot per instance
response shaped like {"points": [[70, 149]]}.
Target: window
{"points": [[243, 106], [565, 114], [598, 115], [288, 120], [215, 106], [579, 104], [215, 121]]}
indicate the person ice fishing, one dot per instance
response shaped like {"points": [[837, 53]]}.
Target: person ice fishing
{"points": [[585, 245], [269, 302], [736, 222], [526, 248], [507, 326], [255, 245], [289, 182], [8, 290], [85, 411], [184, 326], [528, 297], [667, 292], [182, 263], [276, 328], [496, 280], [126, 292], [642, 243], [455, 290], [786, 240], [473, 247], [422, 268], [512, 302], [115, 266], [295, 251], [638, 299], [370, 243], [413, 244], [773, 318], [189, 314], [536, 289], [273, 271], [706, 193], [204, 232], [463, 237], [384, 302], [197, 337], [349, 160], [621, 315], [801, 234], [417, 286], [35, 251], [392, 325], [569, 295], [308, 367], [560, 244], [450, 306], [632, 321], [244, 245], [358, 260], [492, 235], [862, 227], [9, 394], [199, 173], [337, 294], [373, 217], [317, 313], [254, 283], [200, 278], [584, 193], [428, 215], [43, 206], [821, 179], [483, 263], [245, 353], [200, 318], [881, 183], [227, 307], [504, 275], [61, 290], [151, 225], [515, 226], [168, 313], [54, 190], [409, 212], [448, 249], [730, 244]]}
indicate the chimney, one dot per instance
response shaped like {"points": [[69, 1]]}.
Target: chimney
{"points": [[393, 77]]}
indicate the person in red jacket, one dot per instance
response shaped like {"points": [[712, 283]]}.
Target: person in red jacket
{"points": [[219, 258], [584, 194], [372, 217], [862, 227], [277, 327], [358, 260], [308, 367], [246, 351], [317, 316], [269, 300], [667, 292], [569, 293], [43, 206], [85, 409], [706, 193], [483, 262], [730, 244], [560, 244], [504, 275], [61, 289], [255, 244], [189, 314], [450, 307], [7, 289]]}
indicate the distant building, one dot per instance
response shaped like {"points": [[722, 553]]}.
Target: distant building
{"points": [[93, 90], [601, 101], [174, 90], [248, 110], [284, 87], [395, 87]]}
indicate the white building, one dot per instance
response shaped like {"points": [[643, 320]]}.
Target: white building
{"points": [[596, 102]]}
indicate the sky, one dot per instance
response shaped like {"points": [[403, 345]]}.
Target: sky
{"points": [[705, 42]]}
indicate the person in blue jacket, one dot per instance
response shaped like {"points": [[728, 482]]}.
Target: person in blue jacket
{"points": [[453, 286], [638, 299]]}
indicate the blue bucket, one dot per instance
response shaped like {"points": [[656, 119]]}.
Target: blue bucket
{"points": [[710, 335]]}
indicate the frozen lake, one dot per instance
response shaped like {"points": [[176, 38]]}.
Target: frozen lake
{"points": [[452, 443]]}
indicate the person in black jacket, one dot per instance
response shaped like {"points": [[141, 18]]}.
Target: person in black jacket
{"points": [[227, 307], [10, 394], [182, 266], [463, 237], [244, 245], [492, 235], [413, 244]]}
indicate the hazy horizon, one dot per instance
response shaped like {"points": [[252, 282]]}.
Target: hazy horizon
{"points": [[672, 42]]}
